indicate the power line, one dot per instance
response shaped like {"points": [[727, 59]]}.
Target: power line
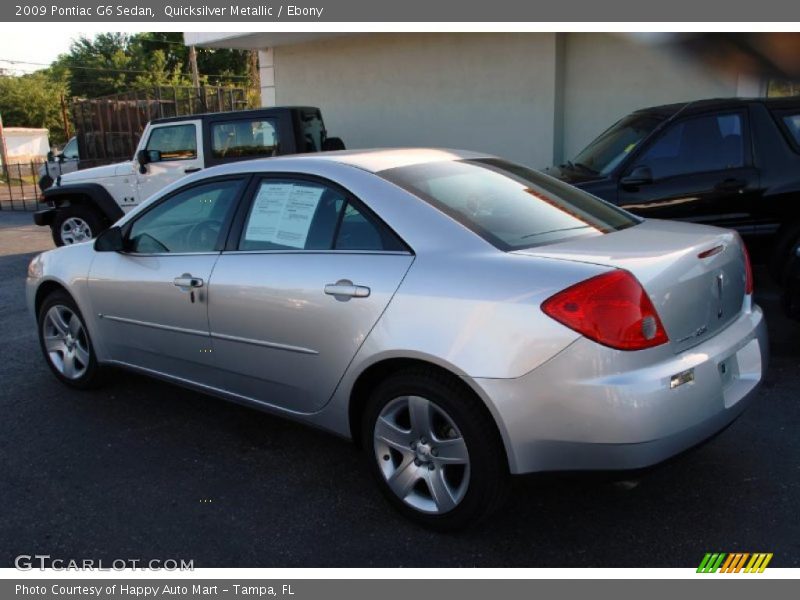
{"points": [[110, 69]]}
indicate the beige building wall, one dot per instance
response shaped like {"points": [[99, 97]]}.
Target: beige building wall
{"points": [[486, 92], [536, 98], [607, 76]]}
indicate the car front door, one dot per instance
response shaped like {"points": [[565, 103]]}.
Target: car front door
{"points": [[152, 298], [698, 169], [174, 150], [308, 272]]}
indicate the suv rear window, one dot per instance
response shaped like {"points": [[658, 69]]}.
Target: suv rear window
{"points": [[510, 206]]}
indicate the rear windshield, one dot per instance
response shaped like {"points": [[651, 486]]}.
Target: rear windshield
{"points": [[510, 206]]}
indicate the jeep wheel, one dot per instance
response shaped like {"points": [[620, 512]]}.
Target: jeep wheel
{"points": [[74, 224]]}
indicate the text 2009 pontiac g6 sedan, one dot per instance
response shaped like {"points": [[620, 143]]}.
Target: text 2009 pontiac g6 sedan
{"points": [[461, 317]]}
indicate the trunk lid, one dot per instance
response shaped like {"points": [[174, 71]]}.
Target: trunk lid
{"points": [[694, 275]]}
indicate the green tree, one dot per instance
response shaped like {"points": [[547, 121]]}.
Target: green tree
{"points": [[117, 62], [34, 100]]}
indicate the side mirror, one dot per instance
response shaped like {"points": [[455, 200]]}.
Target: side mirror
{"points": [[51, 156], [110, 240], [332, 143], [144, 157], [641, 175]]}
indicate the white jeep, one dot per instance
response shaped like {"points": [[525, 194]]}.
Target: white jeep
{"points": [[85, 202]]}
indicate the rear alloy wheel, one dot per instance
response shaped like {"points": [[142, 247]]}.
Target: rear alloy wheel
{"points": [[75, 224], [435, 449], [421, 454], [66, 344]]}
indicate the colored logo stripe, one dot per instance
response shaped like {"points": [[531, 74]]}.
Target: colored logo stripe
{"points": [[735, 562]]}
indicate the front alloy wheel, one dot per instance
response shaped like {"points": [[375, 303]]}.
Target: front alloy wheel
{"points": [[66, 344], [422, 455]]}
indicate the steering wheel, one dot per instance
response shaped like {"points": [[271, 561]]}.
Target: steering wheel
{"points": [[204, 234]]}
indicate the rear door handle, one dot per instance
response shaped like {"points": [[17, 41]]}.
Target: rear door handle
{"points": [[731, 185], [192, 169], [344, 288], [188, 281]]}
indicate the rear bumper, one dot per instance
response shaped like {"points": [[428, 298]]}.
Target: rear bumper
{"points": [[44, 217], [595, 408]]}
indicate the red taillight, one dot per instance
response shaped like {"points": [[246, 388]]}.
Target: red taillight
{"points": [[748, 270], [612, 309]]}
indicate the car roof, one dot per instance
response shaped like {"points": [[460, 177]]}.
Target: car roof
{"points": [[234, 114], [668, 110], [373, 160]]}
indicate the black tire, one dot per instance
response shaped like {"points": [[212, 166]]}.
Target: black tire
{"points": [[489, 478], [782, 253], [92, 218], [93, 374]]}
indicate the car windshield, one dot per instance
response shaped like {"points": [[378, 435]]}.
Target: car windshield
{"points": [[510, 206], [612, 146]]}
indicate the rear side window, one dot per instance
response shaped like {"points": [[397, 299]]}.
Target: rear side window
{"points": [[305, 215], [312, 130], [234, 139], [510, 206]]}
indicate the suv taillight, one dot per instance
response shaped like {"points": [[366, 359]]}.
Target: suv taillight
{"points": [[612, 309]]}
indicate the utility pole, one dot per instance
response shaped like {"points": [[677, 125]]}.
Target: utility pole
{"points": [[3, 149], [255, 79], [193, 66], [67, 131]]}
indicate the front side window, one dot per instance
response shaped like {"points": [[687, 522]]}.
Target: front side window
{"points": [[306, 215], [510, 206], [70, 151], [616, 143], [233, 139], [189, 221], [697, 145], [174, 142]]}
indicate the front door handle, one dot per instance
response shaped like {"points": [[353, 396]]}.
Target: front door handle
{"points": [[188, 281], [731, 185], [344, 289], [192, 169]]}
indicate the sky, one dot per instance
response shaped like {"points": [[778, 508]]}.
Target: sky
{"points": [[22, 46]]}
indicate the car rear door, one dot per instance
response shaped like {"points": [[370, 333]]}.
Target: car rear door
{"points": [[152, 299], [702, 171], [306, 275]]}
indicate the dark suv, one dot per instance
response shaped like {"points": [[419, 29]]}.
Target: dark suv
{"points": [[727, 162]]}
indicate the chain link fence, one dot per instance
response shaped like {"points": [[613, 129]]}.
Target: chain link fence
{"points": [[19, 186]]}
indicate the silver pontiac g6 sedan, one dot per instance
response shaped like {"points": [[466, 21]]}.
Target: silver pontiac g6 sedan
{"points": [[462, 318]]}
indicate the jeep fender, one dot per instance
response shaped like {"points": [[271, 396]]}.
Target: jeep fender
{"points": [[92, 194]]}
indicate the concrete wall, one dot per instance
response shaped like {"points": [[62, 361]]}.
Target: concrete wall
{"points": [[487, 92], [607, 76]]}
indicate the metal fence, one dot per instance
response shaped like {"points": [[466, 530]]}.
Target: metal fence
{"points": [[19, 186]]}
